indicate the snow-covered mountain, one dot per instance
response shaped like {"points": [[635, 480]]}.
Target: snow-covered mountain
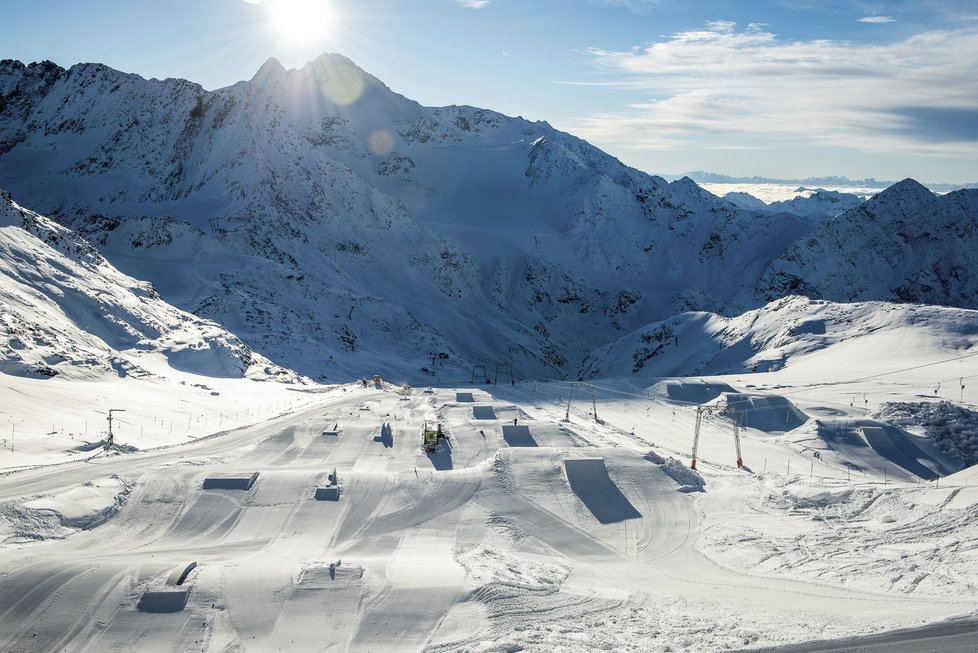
{"points": [[340, 228], [69, 313], [821, 202], [903, 244]]}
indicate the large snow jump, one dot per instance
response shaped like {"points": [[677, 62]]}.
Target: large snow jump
{"points": [[483, 412], [899, 449], [588, 478], [518, 436]]}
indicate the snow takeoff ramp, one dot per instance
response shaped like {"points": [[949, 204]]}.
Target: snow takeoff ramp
{"points": [[588, 478], [483, 412], [163, 601], [329, 493], [230, 482], [899, 449], [518, 436]]}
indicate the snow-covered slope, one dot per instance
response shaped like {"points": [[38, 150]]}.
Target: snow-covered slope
{"points": [[69, 313], [340, 228], [783, 333]]}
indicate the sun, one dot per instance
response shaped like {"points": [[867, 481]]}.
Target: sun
{"points": [[301, 21]]}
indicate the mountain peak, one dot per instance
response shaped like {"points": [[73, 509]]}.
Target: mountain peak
{"points": [[270, 72], [329, 66], [906, 193], [329, 59]]}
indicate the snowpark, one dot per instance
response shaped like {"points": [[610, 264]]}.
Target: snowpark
{"points": [[540, 525], [186, 462]]}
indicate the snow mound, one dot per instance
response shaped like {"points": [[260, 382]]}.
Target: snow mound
{"points": [[688, 479], [877, 444], [952, 427], [768, 413], [691, 392], [58, 516], [483, 413]]}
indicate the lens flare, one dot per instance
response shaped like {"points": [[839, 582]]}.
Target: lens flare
{"points": [[381, 142], [344, 85]]}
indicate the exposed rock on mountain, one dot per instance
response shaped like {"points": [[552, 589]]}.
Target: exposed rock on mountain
{"points": [[68, 312], [338, 227], [904, 244]]}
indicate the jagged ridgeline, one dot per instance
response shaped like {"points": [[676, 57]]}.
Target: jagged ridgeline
{"points": [[338, 228]]}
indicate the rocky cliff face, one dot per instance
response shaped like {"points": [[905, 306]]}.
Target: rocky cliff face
{"points": [[337, 226]]}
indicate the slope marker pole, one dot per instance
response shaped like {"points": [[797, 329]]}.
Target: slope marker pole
{"points": [[570, 391], [696, 434], [594, 403]]}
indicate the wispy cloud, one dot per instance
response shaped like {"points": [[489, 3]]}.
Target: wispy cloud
{"points": [[738, 85], [877, 19], [473, 4], [638, 6]]}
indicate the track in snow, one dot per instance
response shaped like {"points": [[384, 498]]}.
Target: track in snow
{"points": [[498, 543]]}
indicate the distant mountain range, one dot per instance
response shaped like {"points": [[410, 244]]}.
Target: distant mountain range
{"points": [[340, 229], [701, 176]]}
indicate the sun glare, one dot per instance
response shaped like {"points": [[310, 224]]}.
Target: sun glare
{"points": [[301, 21]]}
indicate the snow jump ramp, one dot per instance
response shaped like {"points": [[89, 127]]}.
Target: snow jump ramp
{"points": [[328, 493], [768, 413], [483, 412], [163, 601], [518, 436], [230, 481], [695, 392], [899, 449], [589, 480]]}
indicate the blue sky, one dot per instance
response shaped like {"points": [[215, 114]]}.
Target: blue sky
{"points": [[778, 88]]}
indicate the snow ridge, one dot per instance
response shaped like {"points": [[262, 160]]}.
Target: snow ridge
{"points": [[68, 312], [336, 226]]}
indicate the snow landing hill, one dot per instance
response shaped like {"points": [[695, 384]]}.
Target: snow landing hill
{"points": [[341, 229]]}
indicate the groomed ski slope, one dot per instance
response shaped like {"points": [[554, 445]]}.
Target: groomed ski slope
{"points": [[566, 535]]}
